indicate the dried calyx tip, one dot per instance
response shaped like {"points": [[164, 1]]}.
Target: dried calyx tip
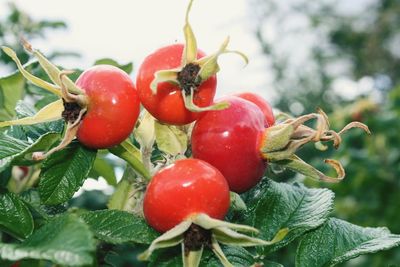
{"points": [[27, 46], [188, 78], [283, 140]]}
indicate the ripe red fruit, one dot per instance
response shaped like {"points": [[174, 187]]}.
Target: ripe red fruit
{"points": [[186, 187], [229, 140], [113, 106], [262, 104], [167, 104]]}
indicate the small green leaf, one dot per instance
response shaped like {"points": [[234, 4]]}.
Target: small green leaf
{"points": [[115, 226], [338, 241], [15, 217], [64, 240], [51, 112], [272, 206], [64, 172], [128, 68], [170, 139]]}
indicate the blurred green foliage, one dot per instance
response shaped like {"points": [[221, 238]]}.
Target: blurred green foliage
{"points": [[343, 56], [17, 24]]}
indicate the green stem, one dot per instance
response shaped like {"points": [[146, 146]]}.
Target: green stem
{"points": [[128, 152]]}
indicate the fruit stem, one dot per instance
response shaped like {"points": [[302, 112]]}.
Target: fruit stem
{"points": [[128, 152]]}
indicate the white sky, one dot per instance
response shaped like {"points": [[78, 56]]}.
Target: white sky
{"points": [[128, 30]]}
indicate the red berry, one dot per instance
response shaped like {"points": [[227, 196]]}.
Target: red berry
{"points": [[262, 104], [229, 140], [167, 104], [185, 188], [113, 106]]}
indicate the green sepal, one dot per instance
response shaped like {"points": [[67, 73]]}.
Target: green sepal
{"points": [[190, 50], [190, 105], [52, 70], [191, 259], [160, 76], [51, 112], [170, 238], [209, 64], [30, 77]]}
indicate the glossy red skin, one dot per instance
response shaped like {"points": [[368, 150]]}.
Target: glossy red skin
{"points": [[15, 264], [185, 188], [229, 140], [113, 106], [262, 104], [167, 105]]}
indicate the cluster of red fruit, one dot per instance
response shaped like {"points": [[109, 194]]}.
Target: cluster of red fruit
{"points": [[225, 143], [232, 138]]}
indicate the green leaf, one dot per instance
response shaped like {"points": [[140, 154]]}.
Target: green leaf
{"points": [[268, 263], [15, 217], [64, 172], [338, 241], [272, 206], [101, 167], [32, 199], [128, 68], [115, 226], [18, 152], [170, 139], [237, 256], [170, 257], [11, 90], [64, 240]]}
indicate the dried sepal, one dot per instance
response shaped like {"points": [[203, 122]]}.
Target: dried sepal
{"points": [[280, 143], [69, 135]]}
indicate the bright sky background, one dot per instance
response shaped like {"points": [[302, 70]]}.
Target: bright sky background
{"points": [[128, 30]]}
